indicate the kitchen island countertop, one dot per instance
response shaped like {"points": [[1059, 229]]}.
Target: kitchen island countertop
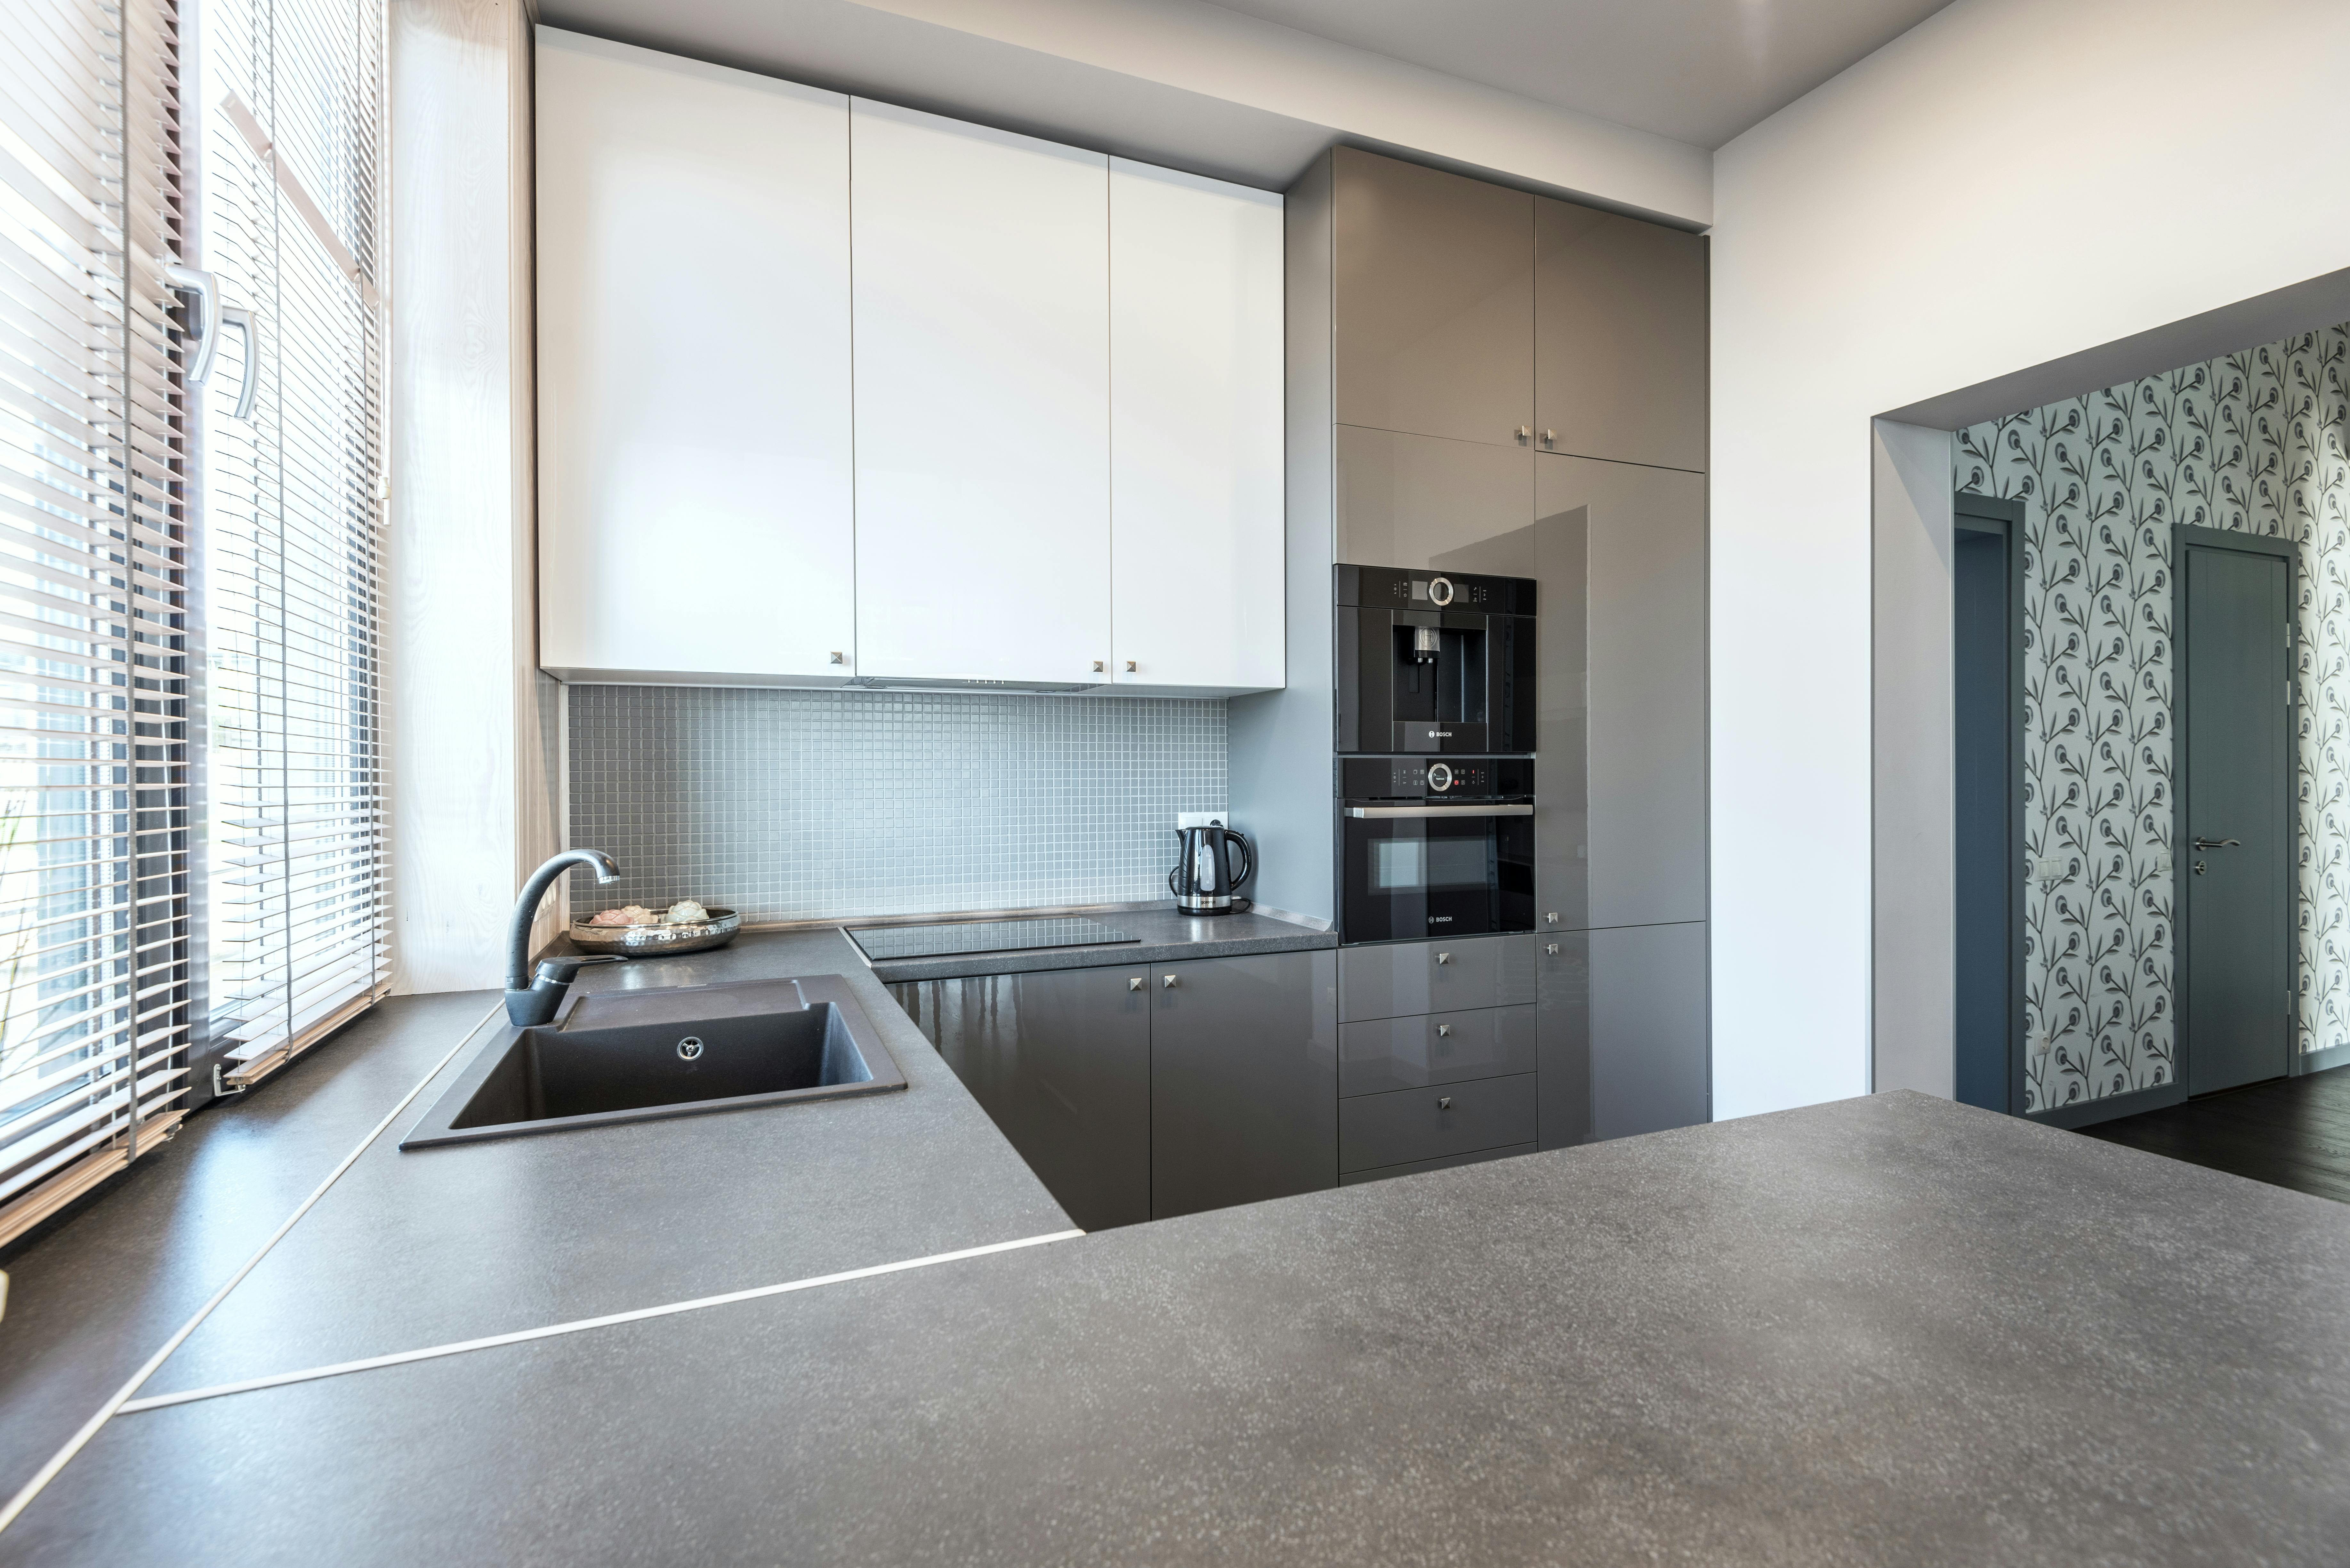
{"points": [[1886, 1330], [1869, 1332]]}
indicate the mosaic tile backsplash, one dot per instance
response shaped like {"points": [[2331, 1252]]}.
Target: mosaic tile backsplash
{"points": [[795, 805]]}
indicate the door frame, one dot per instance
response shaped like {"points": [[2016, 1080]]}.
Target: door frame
{"points": [[2186, 536], [2003, 516]]}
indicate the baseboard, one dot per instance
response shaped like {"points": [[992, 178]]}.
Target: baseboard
{"points": [[2332, 1056], [2085, 1113]]}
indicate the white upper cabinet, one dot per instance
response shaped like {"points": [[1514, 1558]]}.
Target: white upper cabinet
{"points": [[983, 401], [1196, 438], [696, 512]]}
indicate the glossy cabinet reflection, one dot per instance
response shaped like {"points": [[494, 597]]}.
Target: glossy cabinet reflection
{"points": [[1060, 1059], [1620, 315], [1406, 500], [1641, 857], [677, 430], [981, 399], [1243, 1079], [1195, 439], [1434, 307], [1138, 1092], [1621, 1032]]}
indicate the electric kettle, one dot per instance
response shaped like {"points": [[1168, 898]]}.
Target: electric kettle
{"points": [[1203, 880]]}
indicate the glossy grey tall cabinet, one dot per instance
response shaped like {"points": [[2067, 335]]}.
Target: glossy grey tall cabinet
{"points": [[1485, 381]]}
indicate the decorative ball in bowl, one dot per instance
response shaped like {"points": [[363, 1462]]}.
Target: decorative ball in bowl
{"points": [[685, 926]]}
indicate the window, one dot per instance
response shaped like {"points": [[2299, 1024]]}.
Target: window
{"points": [[191, 813], [289, 196], [96, 981]]}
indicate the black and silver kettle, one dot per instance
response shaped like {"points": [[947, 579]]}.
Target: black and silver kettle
{"points": [[1203, 880]]}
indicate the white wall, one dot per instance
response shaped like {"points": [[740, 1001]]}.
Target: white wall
{"points": [[2011, 181], [467, 757], [1913, 983], [1179, 82]]}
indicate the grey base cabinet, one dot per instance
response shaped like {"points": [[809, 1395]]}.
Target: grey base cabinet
{"points": [[1623, 1037], [1140, 1091], [1061, 1060], [1243, 1079]]}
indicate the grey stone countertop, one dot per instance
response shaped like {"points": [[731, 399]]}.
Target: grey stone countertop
{"points": [[1164, 936], [428, 1246], [1881, 1330]]}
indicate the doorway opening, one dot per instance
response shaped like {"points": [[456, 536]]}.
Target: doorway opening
{"points": [[1987, 722]]}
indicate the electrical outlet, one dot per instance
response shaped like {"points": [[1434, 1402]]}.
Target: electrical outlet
{"points": [[2048, 870], [1203, 819]]}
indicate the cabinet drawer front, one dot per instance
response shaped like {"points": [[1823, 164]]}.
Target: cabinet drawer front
{"points": [[1387, 1053], [1429, 1124], [1382, 1173], [1403, 979]]}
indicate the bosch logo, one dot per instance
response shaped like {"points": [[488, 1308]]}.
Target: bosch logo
{"points": [[1440, 919]]}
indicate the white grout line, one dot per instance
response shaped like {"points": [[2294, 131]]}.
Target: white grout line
{"points": [[522, 1336], [49, 1472]]}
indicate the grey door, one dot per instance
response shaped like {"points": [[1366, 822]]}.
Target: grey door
{"points": [[2235, 860], [1434, 301], [1061, 1061], [1243, 1079], [1619, 337]]}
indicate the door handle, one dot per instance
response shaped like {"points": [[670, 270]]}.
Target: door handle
{"points": [[2219, 844]]}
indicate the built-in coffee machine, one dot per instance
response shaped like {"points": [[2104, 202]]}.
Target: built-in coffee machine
{"points": [[1434, 661]]}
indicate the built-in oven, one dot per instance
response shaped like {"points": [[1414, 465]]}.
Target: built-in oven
{"points": [[1434, 847]]}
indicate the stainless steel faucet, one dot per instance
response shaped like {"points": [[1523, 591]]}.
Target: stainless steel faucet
{"points": [[529, 999]]}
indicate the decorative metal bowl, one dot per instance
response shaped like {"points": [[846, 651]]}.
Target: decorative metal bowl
{"points": [[658, 940]]}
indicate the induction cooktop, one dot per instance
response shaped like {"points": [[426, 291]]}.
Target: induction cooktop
{"points": [[882, 943]]}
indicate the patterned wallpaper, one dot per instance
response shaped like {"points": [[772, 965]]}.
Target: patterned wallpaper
{"points": [[2254, 442]]}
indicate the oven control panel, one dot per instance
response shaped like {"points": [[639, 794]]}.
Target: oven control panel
{"points": [[1435, 778]]}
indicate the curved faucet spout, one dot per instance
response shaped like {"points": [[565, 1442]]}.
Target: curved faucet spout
{"points": [[525, 907]]}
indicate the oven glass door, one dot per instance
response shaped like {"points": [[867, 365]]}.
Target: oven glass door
{"points": [[1448, 874]]}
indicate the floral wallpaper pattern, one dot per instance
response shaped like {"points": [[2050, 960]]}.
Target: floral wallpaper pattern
{"points": [[2254, 441]]}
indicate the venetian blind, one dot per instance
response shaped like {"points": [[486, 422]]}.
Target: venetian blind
{"points": [[95, 979], [289, 196]]}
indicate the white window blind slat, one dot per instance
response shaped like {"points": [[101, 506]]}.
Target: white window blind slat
{"points": [[294, 830], [95, 992]]}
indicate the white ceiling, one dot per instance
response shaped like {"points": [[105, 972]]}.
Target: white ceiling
{"points": [[1699, 71]]}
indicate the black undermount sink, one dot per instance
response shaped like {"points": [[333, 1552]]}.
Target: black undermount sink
{"points": [[633, 1056]]}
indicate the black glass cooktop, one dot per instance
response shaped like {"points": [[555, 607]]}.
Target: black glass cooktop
{"points": [[885, 942]]}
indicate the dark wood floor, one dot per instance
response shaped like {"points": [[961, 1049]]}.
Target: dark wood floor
{"points": [[2291, 1132]]}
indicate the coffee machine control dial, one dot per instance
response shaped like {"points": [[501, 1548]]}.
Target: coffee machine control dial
{"points": [[1439, 590], [1439, 777]]}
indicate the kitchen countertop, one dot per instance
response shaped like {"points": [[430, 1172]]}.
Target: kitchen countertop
{"points": [[1164, 937], [1886, 1330], [427, 1246]]}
